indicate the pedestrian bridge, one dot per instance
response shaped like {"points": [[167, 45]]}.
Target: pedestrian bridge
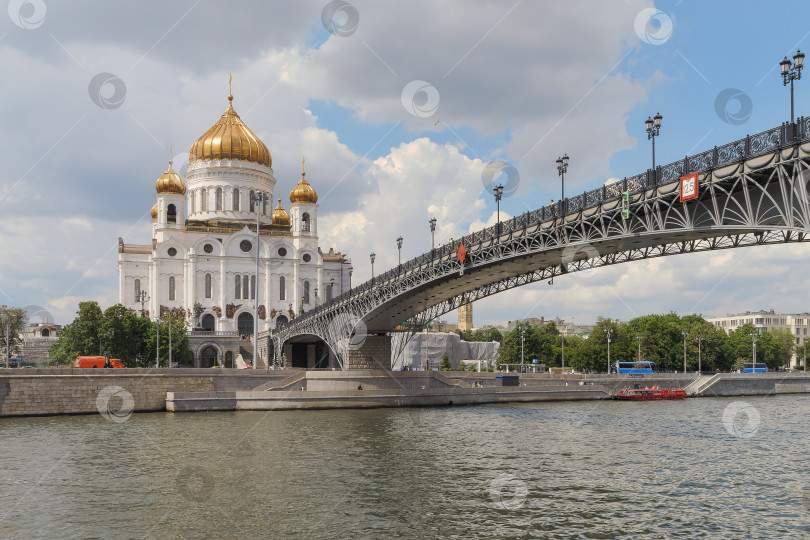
{"points": [[751, 192]]}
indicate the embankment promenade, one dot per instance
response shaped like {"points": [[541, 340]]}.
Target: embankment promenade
{"points": [[33, 392]]}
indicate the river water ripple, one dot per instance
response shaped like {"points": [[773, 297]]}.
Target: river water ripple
{"points": [[696, 468]]}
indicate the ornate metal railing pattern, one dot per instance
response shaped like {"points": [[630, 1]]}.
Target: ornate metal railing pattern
{"points": [[780, 203]]}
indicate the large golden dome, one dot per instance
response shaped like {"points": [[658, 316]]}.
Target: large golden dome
{"points": [[280, 216], [230, 138], [303, 192], [170, 182]]}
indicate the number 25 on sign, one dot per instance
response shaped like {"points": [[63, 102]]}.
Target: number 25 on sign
{"points": [[689, 187]]}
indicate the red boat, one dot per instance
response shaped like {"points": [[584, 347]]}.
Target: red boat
{"points": [[637, 394]]}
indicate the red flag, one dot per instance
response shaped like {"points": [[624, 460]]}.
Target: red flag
{"points": [[461, 252]]}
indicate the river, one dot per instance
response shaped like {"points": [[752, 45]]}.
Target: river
{"points": [[699, 467]]}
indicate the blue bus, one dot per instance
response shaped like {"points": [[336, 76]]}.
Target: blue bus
{"points": [[644, 366], [750, 367]]}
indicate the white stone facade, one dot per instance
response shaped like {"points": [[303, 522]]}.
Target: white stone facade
{"points": [[202, 243]]}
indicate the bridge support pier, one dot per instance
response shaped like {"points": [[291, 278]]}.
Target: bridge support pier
{"points": [[374, 353]]}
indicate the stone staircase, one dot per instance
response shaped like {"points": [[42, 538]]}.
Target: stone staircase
{"points": [[290, 382], [246, 350], [701, 383]]}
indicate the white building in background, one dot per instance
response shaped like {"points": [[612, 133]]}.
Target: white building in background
{"points": [[797, 324], [203, 248]]}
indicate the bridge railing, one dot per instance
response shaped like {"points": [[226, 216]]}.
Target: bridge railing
{"points": [[737, 151]]}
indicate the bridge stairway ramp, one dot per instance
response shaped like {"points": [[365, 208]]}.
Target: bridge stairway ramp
{"points": [[290, 382], [451, 382], [696, 387]]}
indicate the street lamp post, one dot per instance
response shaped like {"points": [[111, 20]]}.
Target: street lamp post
{"points": [[157, 344], [653, 130], [638, 337], [169, 361], [754, 352], [562, 339], [432, 233], [608, 331], [142, 298], [562, 168], [684, 332], [7, 314], [498, 191], [372, 257], [700, 340], [522, 342], [399, 251], [792, 72]]}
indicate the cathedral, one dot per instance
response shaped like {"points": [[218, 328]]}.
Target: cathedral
{"points": [[201, 262]]}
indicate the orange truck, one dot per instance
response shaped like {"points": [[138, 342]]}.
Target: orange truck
{"points": [[96, 362]]}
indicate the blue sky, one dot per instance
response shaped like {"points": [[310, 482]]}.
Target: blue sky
{"points": [[519, 81]]}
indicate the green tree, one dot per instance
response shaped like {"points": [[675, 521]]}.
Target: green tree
{"points": [[15, 319], [181, 352], [495, 335], [538, 344], [119, 333], [801, 354], [80, 337], [784, 347], [445, 365]]}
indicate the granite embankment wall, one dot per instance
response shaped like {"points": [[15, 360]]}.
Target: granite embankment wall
{"points": [[757, 384], [31, 392]]}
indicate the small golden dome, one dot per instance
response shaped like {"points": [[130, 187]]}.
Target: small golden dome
{"points": [[170, 182], [280, 216], [303, 192], [154, 211], [230, 138]]}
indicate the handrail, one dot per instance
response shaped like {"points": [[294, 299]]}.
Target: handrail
{"points": [[720, 156]]}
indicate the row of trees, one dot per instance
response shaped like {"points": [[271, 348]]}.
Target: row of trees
{"points": [[657, 338], [119, 333]]}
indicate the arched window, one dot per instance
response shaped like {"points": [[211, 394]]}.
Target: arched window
{"points": [[191, 198], [208, 285], [252, 201], [45, 333], [265, 201], [305, 222], [209, 322], [328, 292], [204, 200], [171, 214], [282, 293], [137, 290], [253, 287], [171, 288], [306, 292], [245, 287], [235, 199], [237, 288], [219, 198]]}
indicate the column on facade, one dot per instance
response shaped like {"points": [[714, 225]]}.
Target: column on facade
{"points": [[222, 303], [122, 286], [320, 285], [267, 296], [191, 284], [296, 288], [154, 286]]}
